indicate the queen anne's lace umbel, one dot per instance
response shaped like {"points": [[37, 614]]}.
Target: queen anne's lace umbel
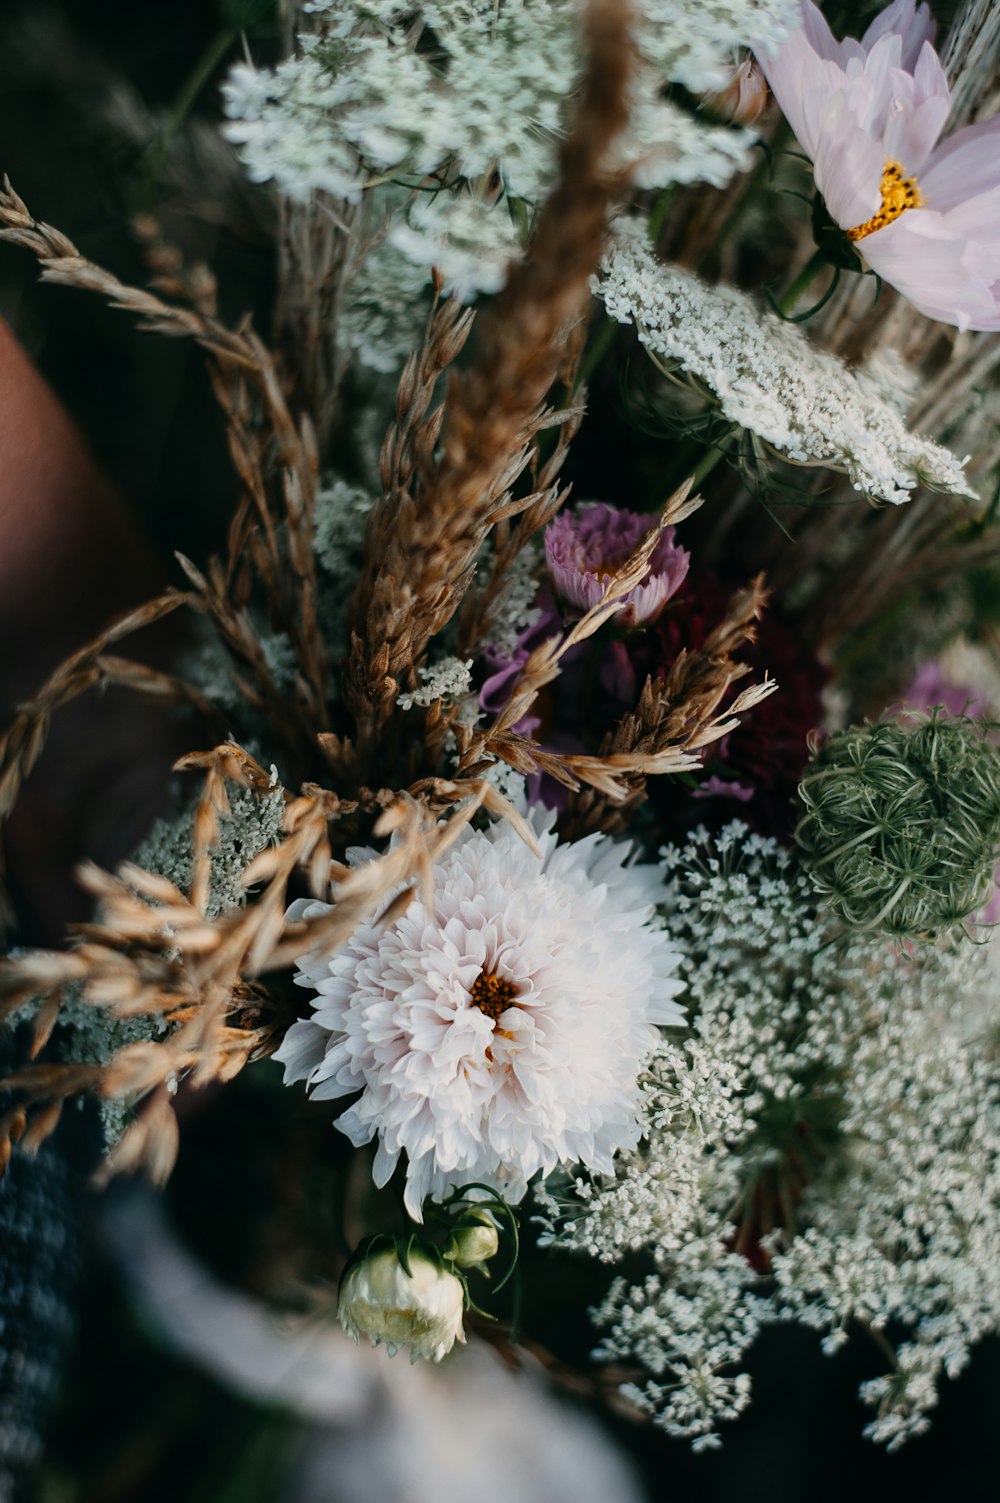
{"points": [[876, 1070], [471, 115], [766, 377]]}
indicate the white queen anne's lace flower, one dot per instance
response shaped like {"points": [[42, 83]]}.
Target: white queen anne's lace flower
{"points": [[501, 1031], [766, 377]]}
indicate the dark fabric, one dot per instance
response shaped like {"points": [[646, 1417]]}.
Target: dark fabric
{"points": [[41, 1204]]}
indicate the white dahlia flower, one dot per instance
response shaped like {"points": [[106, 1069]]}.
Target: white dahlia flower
{"points": [[501, 1031]]}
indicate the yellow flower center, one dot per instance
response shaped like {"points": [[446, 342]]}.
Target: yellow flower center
{"points": [[899, 193], [492, 994]]}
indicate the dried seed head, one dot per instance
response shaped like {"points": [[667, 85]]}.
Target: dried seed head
{"points": [[901, 829]]}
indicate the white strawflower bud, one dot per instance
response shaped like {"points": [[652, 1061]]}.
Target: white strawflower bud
{"points": [[421, 1309], [474, 1240]]}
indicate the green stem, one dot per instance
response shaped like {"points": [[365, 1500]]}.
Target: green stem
{"points": [[711, 458], [805, 278], [659, 214], [181, 107], [599, 346], [762, 170]]}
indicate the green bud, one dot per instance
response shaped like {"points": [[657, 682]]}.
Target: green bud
{"points": [[474, 1239], [901, 828]]}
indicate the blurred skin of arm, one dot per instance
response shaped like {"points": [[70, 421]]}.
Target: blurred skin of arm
{"points": [[70, 559]]}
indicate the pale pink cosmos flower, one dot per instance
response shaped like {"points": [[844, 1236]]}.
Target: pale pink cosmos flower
{"points": [[584, 548], [925, 216]]}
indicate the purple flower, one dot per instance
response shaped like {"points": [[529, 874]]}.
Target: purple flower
{"points": [[934, 687], [583, 549], [925, 215]]}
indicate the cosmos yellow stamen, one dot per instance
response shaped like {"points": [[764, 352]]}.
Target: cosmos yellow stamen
{"points": [[492, 994], [899, 193]]}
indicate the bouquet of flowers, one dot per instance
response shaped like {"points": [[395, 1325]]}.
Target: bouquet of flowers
{"points": [[595, 794]]}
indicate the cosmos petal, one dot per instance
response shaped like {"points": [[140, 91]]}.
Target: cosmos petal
{"points": [[933, 269], [964, 166], [913, 23]]}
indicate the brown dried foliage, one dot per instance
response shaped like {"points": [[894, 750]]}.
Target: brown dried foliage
{"points": [[677, 715], [675, 718], [155, 952], [438, 508], [274, 457], [449, 473]]}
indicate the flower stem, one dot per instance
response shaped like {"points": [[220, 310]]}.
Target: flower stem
{"points": [[181, 107], [805, 278], [659, 214], [711, 458], [598, 347]]}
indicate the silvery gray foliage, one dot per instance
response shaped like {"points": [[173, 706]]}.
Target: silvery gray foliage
{"points": [[93, 1034], [886, 1063], [251, 825]]}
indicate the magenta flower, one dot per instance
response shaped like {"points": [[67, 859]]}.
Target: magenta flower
{"points": [[583, 549], [926, 217]]}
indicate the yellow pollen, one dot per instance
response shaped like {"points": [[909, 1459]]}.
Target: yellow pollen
{"points": [[492, 994], [899, 193]]}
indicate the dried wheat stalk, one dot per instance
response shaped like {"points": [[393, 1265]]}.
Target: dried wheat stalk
{"points": [[262, 438], [675, 718], [438, 509], [677, 715], [315, 242], [22, 743], [154, 952]]}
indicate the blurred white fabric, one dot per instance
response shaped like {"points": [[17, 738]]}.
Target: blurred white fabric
{"points": [[380, 1430]]}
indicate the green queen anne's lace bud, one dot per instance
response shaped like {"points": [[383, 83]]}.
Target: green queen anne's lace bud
{"points": [[400, 1292], [901, 829]]}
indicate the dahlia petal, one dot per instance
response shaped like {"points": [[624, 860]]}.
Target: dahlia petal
{"points": [[302, 1049], [668, 1014], [555, 1078], [383, 1164]]}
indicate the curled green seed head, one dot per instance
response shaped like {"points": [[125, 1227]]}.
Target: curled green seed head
{"points": [[901, 825]]}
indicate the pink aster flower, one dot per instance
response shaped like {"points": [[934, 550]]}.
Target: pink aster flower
{"points": [[583, 549], [925, 216]]}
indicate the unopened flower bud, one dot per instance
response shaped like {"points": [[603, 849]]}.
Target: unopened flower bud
{"points": [[421, 1309], [474, 1240], [743, 99]]}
